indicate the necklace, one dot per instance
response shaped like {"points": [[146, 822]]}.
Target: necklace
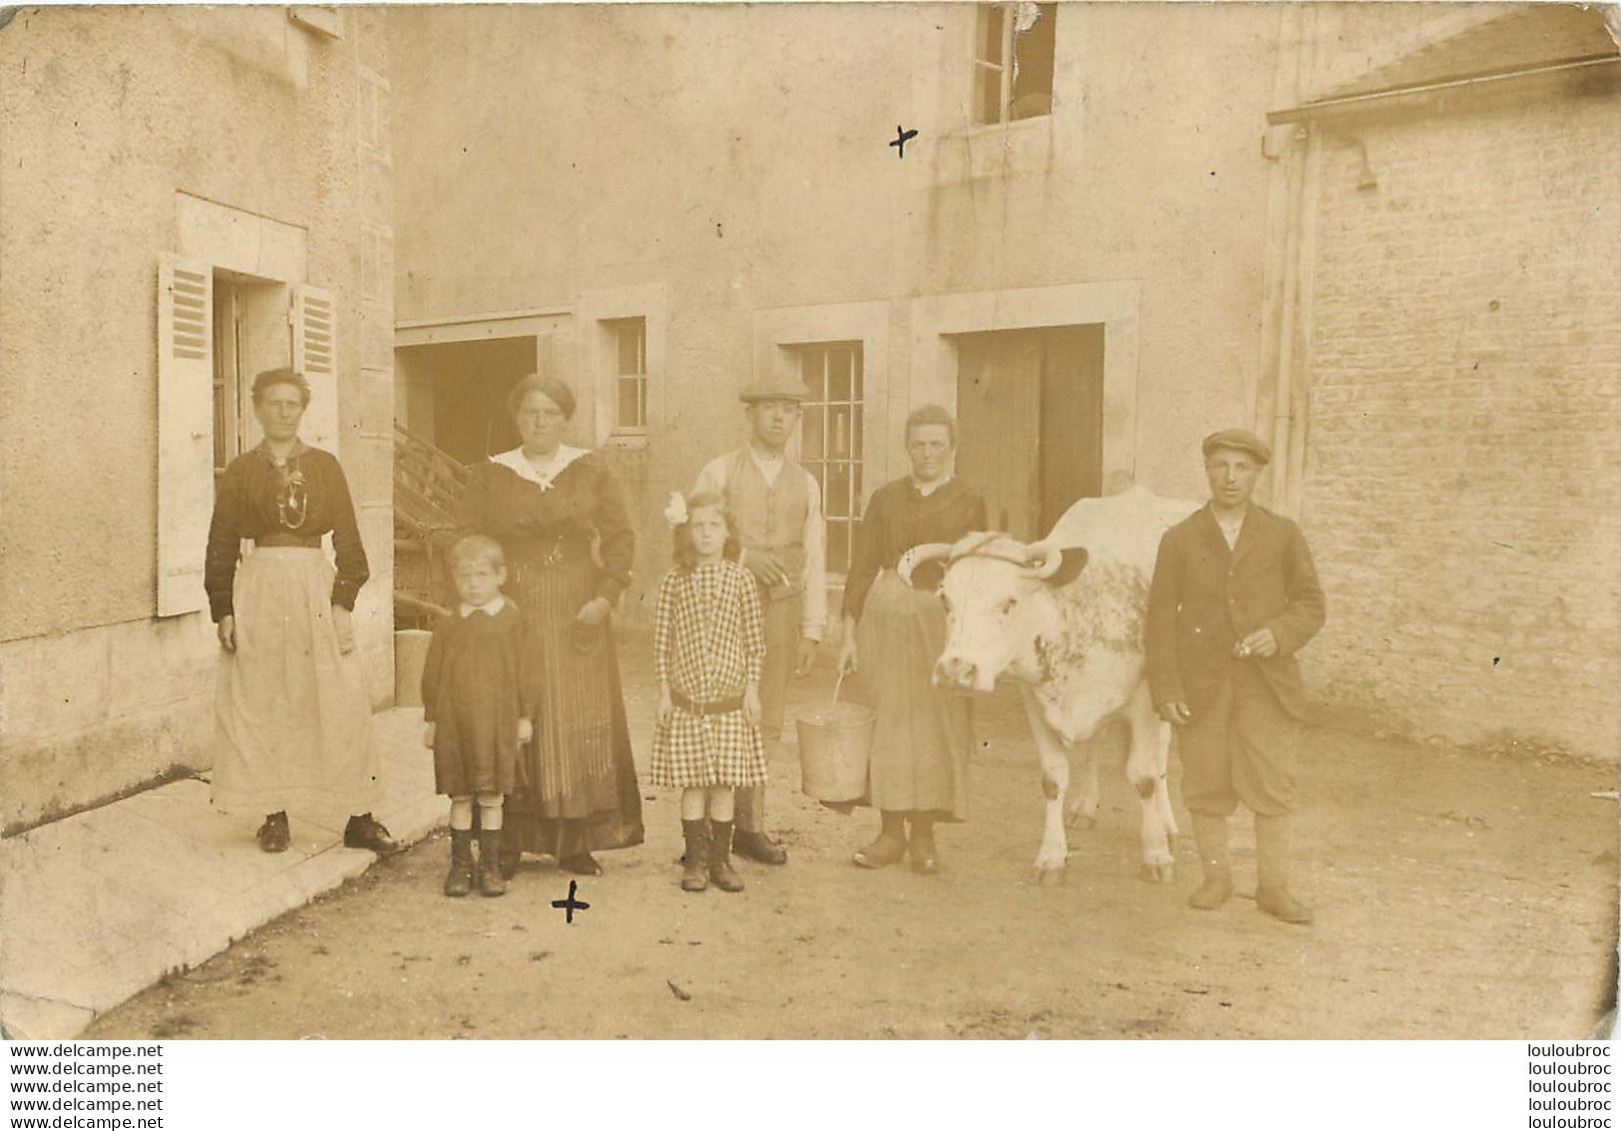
{"points": [[292, 496]]}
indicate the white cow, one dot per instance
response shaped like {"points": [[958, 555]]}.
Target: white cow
{"points": [[1064, 617]]}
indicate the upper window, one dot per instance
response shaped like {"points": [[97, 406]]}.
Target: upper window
{"points": [[830, 440], [1013, 62], [630, 373]]}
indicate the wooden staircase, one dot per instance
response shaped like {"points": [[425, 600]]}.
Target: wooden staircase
{"points": [[428, 486]]}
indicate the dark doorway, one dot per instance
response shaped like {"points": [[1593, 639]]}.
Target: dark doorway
{"points": [[1030, 403], [456, 393]]}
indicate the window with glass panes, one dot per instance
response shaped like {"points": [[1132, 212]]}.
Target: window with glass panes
{"points": [[1013, 61], [830, 440], [630, 373]]}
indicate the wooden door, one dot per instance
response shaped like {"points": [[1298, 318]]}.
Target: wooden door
{"points": [[1030, 407], [1071, 426], [998, 409]]}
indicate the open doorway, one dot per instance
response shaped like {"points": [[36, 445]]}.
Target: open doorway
{"points": [[1030, 405], [455, 393]]}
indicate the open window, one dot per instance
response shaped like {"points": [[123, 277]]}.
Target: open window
{"points": [[1014, 53], [217, 329]]}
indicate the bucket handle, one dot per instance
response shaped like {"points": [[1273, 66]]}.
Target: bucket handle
{"points": [[837, 687]]}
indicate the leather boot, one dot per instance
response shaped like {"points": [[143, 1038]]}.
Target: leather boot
{"points": [[720, 857], [695, 864], [1210, 832], [273, 835], [490, 880], [890, 845], [1273, 836], [459, 880]]}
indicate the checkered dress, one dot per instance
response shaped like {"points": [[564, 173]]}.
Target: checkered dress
{"points": [[708, 644]]}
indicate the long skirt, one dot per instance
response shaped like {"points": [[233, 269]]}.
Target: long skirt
{"points": [[292, 713], [577, 787], [921, 743]]}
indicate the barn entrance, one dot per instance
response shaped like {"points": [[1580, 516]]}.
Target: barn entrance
{"points": [[1030, 406], [455, 393]]}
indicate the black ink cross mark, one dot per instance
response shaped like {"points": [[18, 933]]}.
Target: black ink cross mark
{"points": [[902, 136], [570, 905]]}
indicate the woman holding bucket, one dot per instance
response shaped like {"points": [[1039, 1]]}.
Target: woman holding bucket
{"points": [[893, 633]]}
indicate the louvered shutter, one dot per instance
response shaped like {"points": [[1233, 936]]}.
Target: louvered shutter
{"points": [[315, 355], [185, 431]]}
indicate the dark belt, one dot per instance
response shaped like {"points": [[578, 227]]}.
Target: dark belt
{"points": [[718, 707], [287, 538]]}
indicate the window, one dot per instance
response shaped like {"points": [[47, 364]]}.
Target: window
{"points": [[830, 440], [629, 336], [1013, 62], [230, 391], [216, 328]]}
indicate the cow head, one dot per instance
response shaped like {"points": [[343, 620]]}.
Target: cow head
{"points": [[998, 599]]}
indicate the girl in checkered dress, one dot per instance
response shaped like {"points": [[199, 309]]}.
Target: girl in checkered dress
{"points": [[708, 647]]}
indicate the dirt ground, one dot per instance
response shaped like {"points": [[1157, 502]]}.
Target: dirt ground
{"points": [[1458, 895]]}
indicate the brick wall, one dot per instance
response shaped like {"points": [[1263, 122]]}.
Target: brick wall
{"points": [[1463, 494]]}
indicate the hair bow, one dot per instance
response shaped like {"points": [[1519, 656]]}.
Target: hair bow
{"points": [[675, 512]]}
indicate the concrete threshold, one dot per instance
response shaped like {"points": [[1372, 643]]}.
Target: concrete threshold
{"points": [[98, 906]]}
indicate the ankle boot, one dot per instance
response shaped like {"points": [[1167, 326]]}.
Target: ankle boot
{"points": [[1272, 846], [459, 880], [890, 845], [720, 857], [490, 880], [1210, 833], [695, 865], [925, 857]]}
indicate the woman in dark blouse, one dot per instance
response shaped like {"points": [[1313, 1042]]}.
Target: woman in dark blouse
{"points": [[293, 714], [547, 503], [919, 769]]}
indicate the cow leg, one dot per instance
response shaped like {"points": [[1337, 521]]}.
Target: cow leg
{"points": [[1054, 782], [1146, 770], [1162, 739], [1082, 811]]}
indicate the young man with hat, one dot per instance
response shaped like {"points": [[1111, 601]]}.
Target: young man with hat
{"points": [[776, 508], [1234, 596]]}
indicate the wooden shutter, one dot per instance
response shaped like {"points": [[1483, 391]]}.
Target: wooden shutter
{"points": [[315, 355], [185, 431]]}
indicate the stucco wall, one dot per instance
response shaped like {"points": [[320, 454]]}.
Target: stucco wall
{"points": [[739, 155], [1465, 459], [106, 114]]}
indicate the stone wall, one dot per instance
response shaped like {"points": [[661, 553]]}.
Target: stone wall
{"points": [[1465, 422]]}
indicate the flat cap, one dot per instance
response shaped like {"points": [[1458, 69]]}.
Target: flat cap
{"points": [[775, 388], [1239, 439]]}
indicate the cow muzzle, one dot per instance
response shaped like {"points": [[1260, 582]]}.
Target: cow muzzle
{"points": [[961, 674]]}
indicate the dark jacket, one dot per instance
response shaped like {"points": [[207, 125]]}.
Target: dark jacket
{"points": [[1205, 598]]}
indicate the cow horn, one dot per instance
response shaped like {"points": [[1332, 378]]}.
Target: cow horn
{"points": [[1044, 558], [917, 555]]}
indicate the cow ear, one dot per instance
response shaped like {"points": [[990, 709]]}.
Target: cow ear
{"points": [[1070, 568]]}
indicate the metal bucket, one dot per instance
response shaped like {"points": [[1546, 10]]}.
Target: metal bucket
{"points": [[835, 743]]}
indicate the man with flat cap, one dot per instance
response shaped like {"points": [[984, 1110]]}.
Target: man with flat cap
{"points": [[1234, 597], [776, 506]]}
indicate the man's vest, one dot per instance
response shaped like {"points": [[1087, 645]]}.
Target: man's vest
{"points": [[771, 517]]}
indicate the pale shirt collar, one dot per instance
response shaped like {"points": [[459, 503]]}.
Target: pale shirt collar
{"points": [[770, 466], [543, 475], [493, 606], [927, 489], [1231, 528]]}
